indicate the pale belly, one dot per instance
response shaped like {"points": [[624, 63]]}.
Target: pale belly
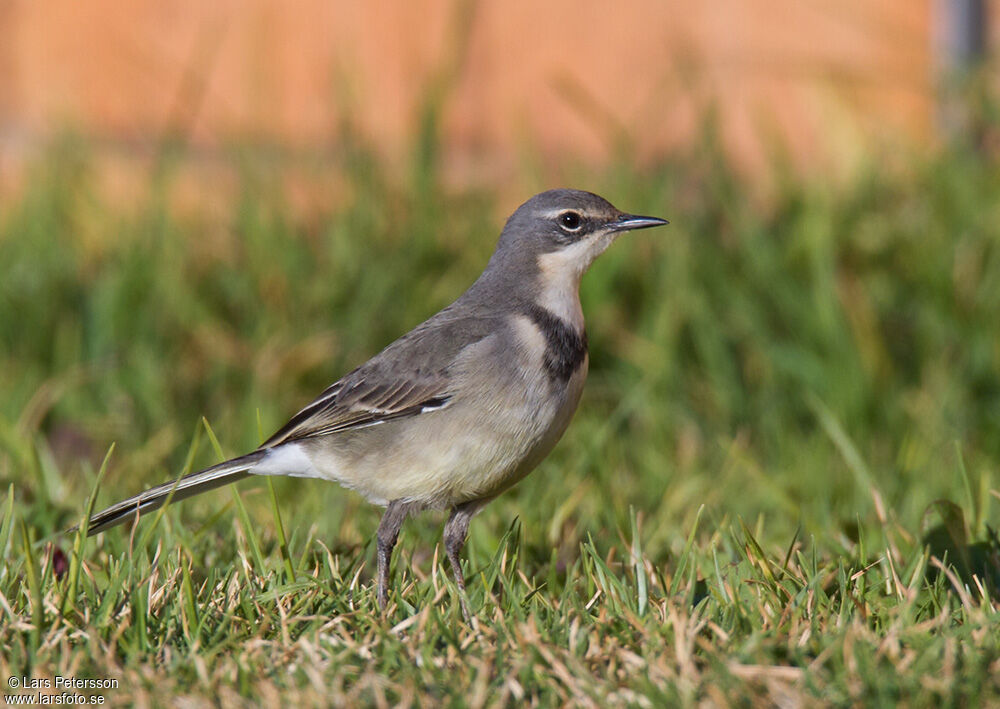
{"points": [[467, 451], [506, 412]]}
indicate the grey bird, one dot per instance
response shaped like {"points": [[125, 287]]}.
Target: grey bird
{"points": [[462, 407]]}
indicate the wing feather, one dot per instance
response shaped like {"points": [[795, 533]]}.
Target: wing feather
{"points": [[408, 378], [365, 403]]}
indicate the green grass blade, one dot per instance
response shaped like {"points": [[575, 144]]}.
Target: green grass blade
{"points": [[685, 557], [642, 588], [7, 524], [80, 539], [34, 588], [280, 529]]}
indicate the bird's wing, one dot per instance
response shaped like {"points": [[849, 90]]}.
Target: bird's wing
{"points": [[357, 401], [408, 378]]}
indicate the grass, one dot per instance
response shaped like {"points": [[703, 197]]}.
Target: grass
{"points": [[780, 487]]}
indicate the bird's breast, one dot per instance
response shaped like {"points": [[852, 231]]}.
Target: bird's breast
{"points": [[562, 346], [512, 397], [545, 372]]}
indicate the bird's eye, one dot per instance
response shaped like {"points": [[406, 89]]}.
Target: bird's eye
{"points": [[570, 221]]}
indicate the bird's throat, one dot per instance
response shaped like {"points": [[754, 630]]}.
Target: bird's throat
{"points": [[558, 292]]}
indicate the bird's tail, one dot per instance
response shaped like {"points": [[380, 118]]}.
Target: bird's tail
{"points": [[180, 489]]}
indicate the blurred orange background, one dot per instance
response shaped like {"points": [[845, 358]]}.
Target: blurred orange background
{"points": [[822, 81]]}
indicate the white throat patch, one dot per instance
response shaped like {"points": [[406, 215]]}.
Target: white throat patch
{"points": [[560, 272]]}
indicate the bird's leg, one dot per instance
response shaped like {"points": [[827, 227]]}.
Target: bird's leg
{"points": [[455, 531], [388, 533]]}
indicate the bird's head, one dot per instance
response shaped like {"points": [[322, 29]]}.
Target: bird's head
{"points": [[561, 232]]}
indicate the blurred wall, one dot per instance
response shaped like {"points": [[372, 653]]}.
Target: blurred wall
{"points": [[825, 79]]}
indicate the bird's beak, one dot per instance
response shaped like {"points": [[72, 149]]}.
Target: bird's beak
{"points": [[628, 222]]}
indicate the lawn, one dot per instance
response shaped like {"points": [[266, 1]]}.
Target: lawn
{"points": [[780, 486]]}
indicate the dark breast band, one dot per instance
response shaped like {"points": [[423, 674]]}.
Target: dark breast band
{"points": [[565, 349]]}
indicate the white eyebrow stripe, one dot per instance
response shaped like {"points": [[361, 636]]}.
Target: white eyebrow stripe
{"points": [[552, 213]]}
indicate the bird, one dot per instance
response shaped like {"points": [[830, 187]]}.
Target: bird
{"points": [[459, 409]]}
